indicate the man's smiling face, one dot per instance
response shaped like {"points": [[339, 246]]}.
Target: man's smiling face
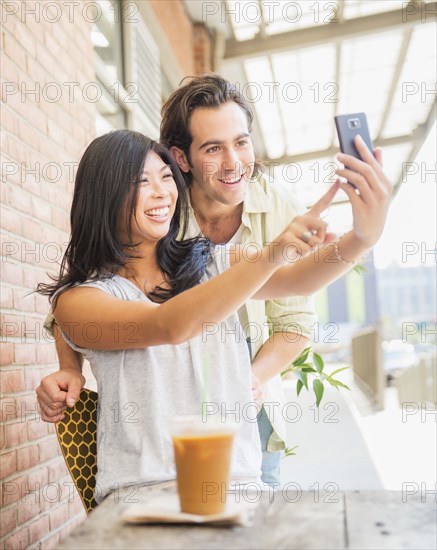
{"points": [[221, 153]]}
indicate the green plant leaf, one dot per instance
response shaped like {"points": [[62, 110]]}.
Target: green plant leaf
{"points": [[337, 384], [318, 390], [299, 387], [338, 370], [359, 268], [289, 451], [318, 362], [300, 360], [303, 378], [308, 369]]}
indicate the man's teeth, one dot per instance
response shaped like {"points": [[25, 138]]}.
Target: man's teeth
{"points": [[158, 211], [231, 181]]}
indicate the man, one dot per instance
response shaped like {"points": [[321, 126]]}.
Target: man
{"points": [[206, 124]]}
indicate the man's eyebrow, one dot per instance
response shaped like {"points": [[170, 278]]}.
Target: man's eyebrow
{"points": [[218, 142]]}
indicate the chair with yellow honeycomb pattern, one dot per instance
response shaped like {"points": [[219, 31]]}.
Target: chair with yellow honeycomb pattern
{"points": [[77, 436]]}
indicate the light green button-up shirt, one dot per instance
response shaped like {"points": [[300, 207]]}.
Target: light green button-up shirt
{"points": [[267, 209]]}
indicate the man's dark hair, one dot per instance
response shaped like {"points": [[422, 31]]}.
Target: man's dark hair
{"points": [[210, 90]]}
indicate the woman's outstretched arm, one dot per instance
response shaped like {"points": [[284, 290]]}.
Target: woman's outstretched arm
{"points": [[370, 201]]}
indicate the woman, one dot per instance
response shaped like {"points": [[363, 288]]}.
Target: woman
{"points": [[128, 299]]}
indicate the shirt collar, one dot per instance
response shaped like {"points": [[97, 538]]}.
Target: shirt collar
{"points": [[256, 200]]}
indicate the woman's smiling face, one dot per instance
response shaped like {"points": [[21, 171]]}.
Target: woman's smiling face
{"points": [[156, 201]]}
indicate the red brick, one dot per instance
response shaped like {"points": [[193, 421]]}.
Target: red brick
{"points": [[8, 409], [48, 449], [58, 516], [9, 124], [7, 354], [36, 429], [38, 480], [60, 219], [27, 457], [15, 51], [12, 326], [11, 381], [21, 200], [34, 376], [51, 542], [57, 469], [45, 353], [29, 508], [8, 520], [25, 39], [41, 210], [42, 304], [23, 300], [39, 528], [9, 68], [33, 326], [2, 437], [32, 277], [8, 463], [25, 354], [32, 229], [13, 490], [19, 540], [15, 434], [6, 298], [34, 25], [28, 407], [12, 273], [75, 507]]}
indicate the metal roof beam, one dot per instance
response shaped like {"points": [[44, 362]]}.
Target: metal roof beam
{"points": [[418, 136], [410, 14], [396, 76]]}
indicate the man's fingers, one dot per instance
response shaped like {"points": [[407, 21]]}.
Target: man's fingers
{"points": [[323, 203], [73, 392]]}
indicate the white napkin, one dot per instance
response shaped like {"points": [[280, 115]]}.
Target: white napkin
{"points": [[165, 509]]}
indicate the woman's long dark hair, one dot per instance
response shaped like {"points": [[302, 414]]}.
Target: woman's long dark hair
{"points": [[108, 179]]}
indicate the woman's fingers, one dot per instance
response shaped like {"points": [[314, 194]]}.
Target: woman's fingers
{"points": [[323, 203], [359, 181]]}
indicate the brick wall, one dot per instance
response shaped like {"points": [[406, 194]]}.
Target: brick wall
{"points": [[48, 117], [179, 31], [202, 49], [46, 125]]}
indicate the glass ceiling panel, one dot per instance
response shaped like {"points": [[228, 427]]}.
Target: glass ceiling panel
{"points": [[290, 16], [247, 16], [360, 8], [297, 95], [265, 103], [367, 89], [416, 89]]}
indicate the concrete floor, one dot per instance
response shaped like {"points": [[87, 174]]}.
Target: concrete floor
{"points": [[343, 447]]}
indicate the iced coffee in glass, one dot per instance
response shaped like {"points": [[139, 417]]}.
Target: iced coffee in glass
{"points": [[202, 449]]}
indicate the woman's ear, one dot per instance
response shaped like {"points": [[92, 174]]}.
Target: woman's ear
{"points": [[180, 158]]}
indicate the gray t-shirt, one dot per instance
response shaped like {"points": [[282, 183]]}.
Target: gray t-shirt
{"points": [[141, 390]]}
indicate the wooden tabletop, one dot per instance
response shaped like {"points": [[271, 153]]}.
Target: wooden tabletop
{"points": [[338, 520]]}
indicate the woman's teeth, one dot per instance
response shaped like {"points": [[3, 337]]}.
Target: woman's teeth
{"points": [[159, 212]]}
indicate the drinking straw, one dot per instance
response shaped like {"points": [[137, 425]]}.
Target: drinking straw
{"points": [[205, 385]]}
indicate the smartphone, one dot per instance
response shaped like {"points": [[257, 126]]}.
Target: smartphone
{"points": [[348, 126]]}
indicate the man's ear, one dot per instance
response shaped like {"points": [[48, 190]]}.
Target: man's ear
{"points": [[180, 158]]}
